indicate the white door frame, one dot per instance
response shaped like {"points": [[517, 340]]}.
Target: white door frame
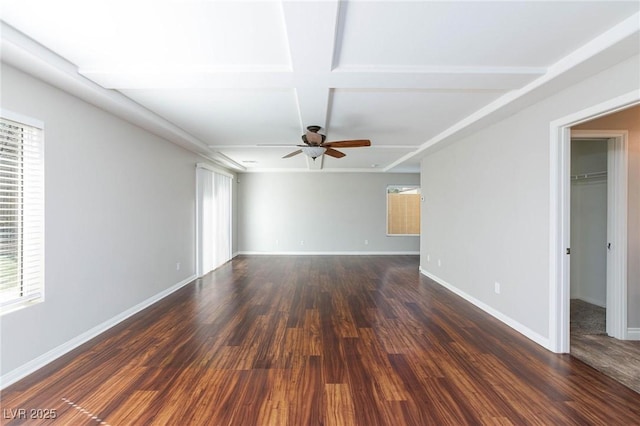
{"points": [[559, 208], [617, 167]]}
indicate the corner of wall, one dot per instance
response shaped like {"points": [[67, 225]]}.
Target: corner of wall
{"points": [[525, 331], [31, 366]]}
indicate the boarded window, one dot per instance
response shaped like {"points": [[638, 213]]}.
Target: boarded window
{"points": [[403, 210]]}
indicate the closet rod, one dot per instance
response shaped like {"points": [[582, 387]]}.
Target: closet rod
{"points": [[589, 175]]}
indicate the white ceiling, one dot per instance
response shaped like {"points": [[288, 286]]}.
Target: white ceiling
{"points": [[242, 76]]}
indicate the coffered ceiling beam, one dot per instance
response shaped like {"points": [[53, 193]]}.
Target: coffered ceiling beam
{"points": [[311, 45]]}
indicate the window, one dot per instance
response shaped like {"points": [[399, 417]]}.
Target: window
{"points": [[21, 213], [403, 210]]}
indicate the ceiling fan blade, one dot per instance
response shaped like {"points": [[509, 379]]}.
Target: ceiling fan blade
{"points": [[293, 153], [334, 153], [349, 144]]}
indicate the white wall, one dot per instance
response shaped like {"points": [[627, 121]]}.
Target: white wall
{"points": [[330, 212], [486, 213], [120, 212]]}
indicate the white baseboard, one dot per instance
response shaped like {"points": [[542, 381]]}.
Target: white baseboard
{"points": [[525, 331], [25, 369], [633, 333], [329, 253]]}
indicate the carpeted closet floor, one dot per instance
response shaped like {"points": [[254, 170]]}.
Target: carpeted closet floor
{"points": [[589, 342]]}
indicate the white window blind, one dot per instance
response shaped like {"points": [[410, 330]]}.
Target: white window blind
{"points": [[21, 215]]}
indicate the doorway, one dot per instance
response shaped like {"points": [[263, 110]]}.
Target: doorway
{"points": [[559, 229], [589, 239], [599, 189], [598, 305], [607, 352]]}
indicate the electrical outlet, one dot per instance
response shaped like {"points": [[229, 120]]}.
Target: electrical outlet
{"points": [[496, 287], [366, 242], [428, 258], [277, 242], [177, 266], [301, 242], [439, 262]]}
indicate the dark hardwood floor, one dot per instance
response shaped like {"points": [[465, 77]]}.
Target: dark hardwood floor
{"points": [[315, 340]]}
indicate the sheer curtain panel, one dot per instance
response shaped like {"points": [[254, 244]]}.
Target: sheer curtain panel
{"points": [[214, 219]]}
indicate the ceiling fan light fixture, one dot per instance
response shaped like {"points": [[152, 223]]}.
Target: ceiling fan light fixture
{"points": [[313, 151]]}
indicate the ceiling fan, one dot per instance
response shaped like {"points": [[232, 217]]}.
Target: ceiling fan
{"points": [[315, 145]]}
